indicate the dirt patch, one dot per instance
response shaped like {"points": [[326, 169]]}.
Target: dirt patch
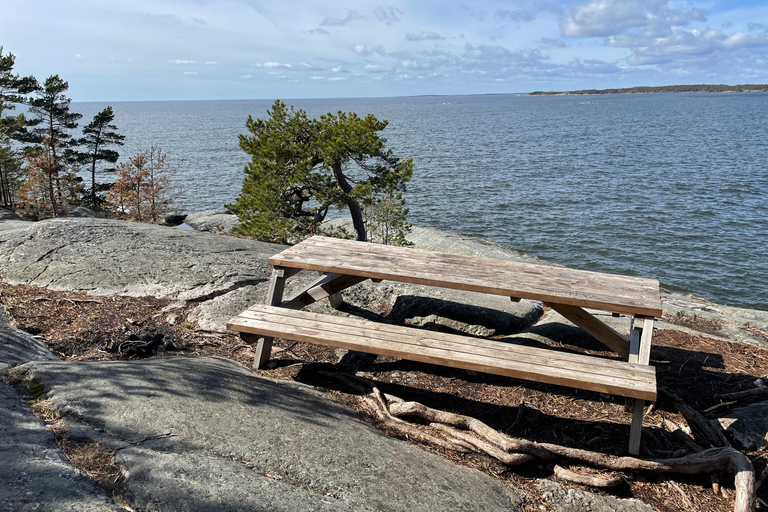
{"points": [[697, 368]]}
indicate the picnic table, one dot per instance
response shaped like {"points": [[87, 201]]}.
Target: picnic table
{"points": [[344, 263]]}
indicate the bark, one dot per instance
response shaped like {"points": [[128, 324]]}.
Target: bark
{"points": [[354, 209], [591, 480]]}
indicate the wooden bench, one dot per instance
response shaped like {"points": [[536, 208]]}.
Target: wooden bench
{"points": [[344, 263]]}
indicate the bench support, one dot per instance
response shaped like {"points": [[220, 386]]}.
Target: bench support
{"points": [[594, 327], [263, 347], [641, 332]]}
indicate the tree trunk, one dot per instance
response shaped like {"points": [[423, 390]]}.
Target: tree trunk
{"points": [[93, 174], [354, 209]]}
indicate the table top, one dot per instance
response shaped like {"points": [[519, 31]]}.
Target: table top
{"points": [[550, 284]]}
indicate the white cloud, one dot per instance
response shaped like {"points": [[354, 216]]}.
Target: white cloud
{"points": [[190, 72], [247, 77], [423, 36], [211, 63], [179, 61], [389, 15], [340, 22], [604, 18]]}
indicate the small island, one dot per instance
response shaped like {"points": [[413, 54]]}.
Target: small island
{"points": [[660, 89]]}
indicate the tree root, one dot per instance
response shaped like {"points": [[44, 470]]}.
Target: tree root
{"points": [[465, 433], [591, 480]]}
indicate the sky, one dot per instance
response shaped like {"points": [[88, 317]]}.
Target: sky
{"points": [[118, 50]]}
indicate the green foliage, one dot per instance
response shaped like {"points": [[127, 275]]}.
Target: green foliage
{"points": [[12, 90], [10, 173], [99, 134], [300, 168], [51, 122]]}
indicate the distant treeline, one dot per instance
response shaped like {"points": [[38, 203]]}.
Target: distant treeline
{"points": [[664, 88]]}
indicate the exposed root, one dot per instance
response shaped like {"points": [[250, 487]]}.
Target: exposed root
{"points": [[463, 431]]}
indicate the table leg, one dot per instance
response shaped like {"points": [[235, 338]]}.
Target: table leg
{"points": [[263, 347], [640, 334]]}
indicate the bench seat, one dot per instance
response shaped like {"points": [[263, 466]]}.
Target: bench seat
{"points": [[468, 353]]}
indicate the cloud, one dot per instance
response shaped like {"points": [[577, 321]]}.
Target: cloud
{"points": [[190, 72], [367, 49], [498, 59], [340, 22], [178, 61], [423, 36], [273, 65], [78, 56], [247, 77], [555, 43], [211, 63], [605, 18], [691, 46], [320, 31], [517, 15], [593, 67], [388, 15]]}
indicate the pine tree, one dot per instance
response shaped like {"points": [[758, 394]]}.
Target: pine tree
{"points": [[51, 124], [12, 91], [99, 134], [300, 168]]}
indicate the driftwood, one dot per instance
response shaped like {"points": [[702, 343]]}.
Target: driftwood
{"points": [[487, 440], [704, 430], [465, 433], [591, 480]]}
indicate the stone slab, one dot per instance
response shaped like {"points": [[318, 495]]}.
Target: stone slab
{"points": [[205, 433]]}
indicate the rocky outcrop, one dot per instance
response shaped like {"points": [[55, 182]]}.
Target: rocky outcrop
{"points": [[18, 347], [215, 221], [200, 433]]}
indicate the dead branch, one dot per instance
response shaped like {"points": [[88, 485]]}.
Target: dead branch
{"points": [[704, 430], [738, 395], [510, 459], [591, 480]]}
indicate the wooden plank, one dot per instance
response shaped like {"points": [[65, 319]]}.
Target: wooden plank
{"points": [[263, 348], [326, 285], [595, 328], [622, 294], [638, 382], [644, 355], [634, 341], [419, 337], [539, 278], [636, 428]]}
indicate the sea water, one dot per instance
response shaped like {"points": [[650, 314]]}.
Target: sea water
{"points": [[670, 186]]}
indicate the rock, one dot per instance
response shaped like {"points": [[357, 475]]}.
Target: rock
{"points": [[8, 214], [748, 426], [206, 434], [106, 257], [79, 211], [215, 221], [579, 501], [7, 225], [173, 220], [34, 474], [18, 347]]}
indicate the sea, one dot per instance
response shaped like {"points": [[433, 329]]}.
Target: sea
{"points": [[666, 186]]}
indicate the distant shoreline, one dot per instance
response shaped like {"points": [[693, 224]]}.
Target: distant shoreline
{"points": [[658, 89]]}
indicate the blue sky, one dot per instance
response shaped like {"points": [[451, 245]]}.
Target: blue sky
{"points": [[243, 49]]}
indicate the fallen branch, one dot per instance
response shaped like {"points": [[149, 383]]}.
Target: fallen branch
{"points": [[738, 395], [591, 480], [704, 430], [388, 410]]}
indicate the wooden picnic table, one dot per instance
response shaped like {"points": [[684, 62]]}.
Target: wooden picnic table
{"points": [[344, 263]]}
